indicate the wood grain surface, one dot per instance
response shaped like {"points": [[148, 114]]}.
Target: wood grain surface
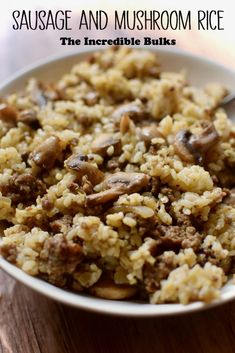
{"points": [[31, 323]]}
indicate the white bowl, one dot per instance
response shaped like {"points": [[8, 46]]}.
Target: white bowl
{"points": [[199, 71]]}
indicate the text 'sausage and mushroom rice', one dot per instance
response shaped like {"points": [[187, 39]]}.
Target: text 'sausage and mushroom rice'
{"points": [[118, 180]]}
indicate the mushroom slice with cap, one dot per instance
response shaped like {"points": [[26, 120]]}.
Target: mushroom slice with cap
{"points": [[76, 163], [103, 141], [29, 117], [47, 152], [8, 114], [37, 94], [192, 147], [127, 183], [103, 197], [147, 133], [135, 111], [182, 147], [206, 139], [116, 185], [41, 94], [107, 289]]}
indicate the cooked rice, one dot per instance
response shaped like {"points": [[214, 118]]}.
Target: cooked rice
{"points": [[164, 231]]}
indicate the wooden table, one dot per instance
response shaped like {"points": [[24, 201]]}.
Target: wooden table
{"points": [[31, 323]]}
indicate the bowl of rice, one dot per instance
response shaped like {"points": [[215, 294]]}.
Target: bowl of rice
{"points": [[117, 184]]}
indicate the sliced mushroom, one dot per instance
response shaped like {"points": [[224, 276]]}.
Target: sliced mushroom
{"points": [[29, 117], [107, 289], [103, 197], [8, 114], [76, 162], [103, 141], [116, 185], [147, 133], [125, 123], [135, 111], [192, 147], [206, 139], [182, 147], [127, 183], [47, 153], [41, 94], [37, 95]]}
